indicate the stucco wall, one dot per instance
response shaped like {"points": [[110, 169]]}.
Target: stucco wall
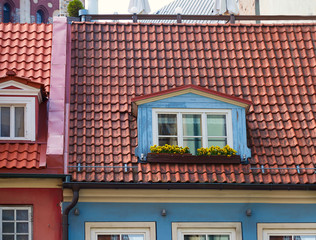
{"points": [[189, 212], [46, 209]]}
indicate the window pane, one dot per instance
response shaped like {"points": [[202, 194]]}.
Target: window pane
{"points": [[5, 122], [7, 237], [193, 144], [132, 237], [166, 140], [39, 17], [19, 122], [22, 215], [221, 142], [218, 237], [22, 227], [194, 237], [280, 238], [22, 237], [8, 227], [167, 124], [109, 237], [8, 215], [6, 13], [216, 125], [191, 125]]}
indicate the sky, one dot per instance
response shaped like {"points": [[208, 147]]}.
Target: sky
{"points": [[121, 6]]}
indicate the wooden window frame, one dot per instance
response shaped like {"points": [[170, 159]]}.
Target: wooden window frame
{"points": [[30, 219], [264, 230], [231, 228], [29, 116], [203, 112], [92, 229]]}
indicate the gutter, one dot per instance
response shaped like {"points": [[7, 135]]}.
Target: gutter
{"points": [[32, 175], [88, 185], [75, 198]]}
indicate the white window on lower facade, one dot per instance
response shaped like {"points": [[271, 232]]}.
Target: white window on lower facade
{"points": [[286, 231], [193, 128], [120, 231], [206, 231], [16, 223], [17, 118]]}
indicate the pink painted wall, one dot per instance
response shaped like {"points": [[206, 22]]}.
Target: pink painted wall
{"points": [[57, 119], [46, 209]]}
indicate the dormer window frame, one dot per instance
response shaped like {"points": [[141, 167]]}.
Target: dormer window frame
{"points": [[203, 113], [29, 116]]}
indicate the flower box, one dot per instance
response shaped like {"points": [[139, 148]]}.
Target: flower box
{"points": [[189, 158]]}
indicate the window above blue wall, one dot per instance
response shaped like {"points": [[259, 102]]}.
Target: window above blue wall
{"points": [[191, 116], [194, 128]]}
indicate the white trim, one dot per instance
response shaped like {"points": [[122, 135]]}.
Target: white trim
{"points": [[233, 229], [192, 196], [24, 90], [93, 229], [29, 124], [267, 229], [29, 220], [203, 112]]}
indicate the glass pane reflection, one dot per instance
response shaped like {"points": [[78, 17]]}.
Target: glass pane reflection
{"points": [[167, 124], [216, 125]]}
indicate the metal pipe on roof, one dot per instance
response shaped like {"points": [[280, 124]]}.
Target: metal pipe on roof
{"points": [[66, 138], [75, 198]]}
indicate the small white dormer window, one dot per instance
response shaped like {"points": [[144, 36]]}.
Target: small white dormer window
{"points": [[17, 118], [19, 102]]}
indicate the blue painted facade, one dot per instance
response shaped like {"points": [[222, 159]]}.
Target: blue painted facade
{"points": [[185, 212], [190, 101]]}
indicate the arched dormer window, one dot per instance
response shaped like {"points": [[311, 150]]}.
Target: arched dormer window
{"points": [[6, 13], [40, 16]]}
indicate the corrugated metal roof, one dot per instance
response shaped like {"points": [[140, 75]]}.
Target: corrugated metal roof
{"points": [[189, 7]]}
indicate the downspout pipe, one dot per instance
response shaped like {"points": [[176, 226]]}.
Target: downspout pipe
{"points": [[75, 198]]}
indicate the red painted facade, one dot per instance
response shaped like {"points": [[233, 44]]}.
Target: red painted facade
{"points": [[46, 209]]}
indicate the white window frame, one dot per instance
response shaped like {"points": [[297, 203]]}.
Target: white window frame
{"points": [[204, 113], [30, 219], [233, 229], [29, 116], [265, 230], [93, 229]]}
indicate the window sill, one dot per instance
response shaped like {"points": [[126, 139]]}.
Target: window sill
{"points": [[188, 158]]}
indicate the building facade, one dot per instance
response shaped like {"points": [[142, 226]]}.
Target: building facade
{"points": [[32, 116], [135, 85], [32, 11]]}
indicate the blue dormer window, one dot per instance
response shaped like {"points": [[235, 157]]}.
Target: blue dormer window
{"points": [[193, 128], [6, 13], [191, 116]]}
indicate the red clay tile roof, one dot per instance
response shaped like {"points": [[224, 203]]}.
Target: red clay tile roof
{"points": [[26, 49], [19, 155], [273, 66]]}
